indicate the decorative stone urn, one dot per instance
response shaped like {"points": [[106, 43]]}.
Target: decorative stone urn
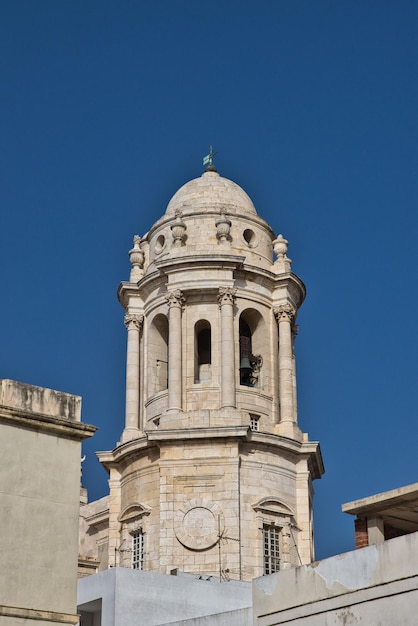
{"points": [[223, 228], [280, 247], [178, 229], [136, 257]]}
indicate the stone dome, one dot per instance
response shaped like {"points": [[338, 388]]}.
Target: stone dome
{"points": [[210, 192]]}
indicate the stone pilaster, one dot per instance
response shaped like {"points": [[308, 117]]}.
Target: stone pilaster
{"points": [[175, 301], [134, 325], [114, 512], [286, 557], [226, 299], [304, 534]]}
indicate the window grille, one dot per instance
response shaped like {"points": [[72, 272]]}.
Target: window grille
{"points": [[138, 550], [254, 422], [271, 538]]}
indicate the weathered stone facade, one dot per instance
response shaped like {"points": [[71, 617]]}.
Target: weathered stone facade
{"points": [[212, 468], [41, 435]]}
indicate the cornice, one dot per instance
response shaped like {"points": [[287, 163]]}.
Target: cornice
{"points": [[181, 434], [98, 518], [167, 266], [170, 264], [25, 614], [308, 449], [289, 277], [127, 290], [45, 423], [111, 458], [315, 462]]}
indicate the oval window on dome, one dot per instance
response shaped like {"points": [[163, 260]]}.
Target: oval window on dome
{"points": [[250, 238], [159, 244]]}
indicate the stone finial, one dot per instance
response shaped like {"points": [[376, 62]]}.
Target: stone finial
{"points": [[280, 246], [282, 262], [136, 256], [178, 230], [223, 227]]}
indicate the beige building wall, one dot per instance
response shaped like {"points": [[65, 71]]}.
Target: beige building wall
{"points": [[40, 434]]}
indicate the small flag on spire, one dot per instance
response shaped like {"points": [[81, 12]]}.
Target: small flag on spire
{"points": [[207, 160]]}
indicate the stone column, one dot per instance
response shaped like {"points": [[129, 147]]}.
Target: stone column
{"points": [[285, 315], [134, 325], [226, 299], [286, 556], [295, 329], [375, 530], [175, 301]]}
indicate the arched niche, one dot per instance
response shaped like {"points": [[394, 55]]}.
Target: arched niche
{"points": [[158, 354], [203, 352], [253, 346]]}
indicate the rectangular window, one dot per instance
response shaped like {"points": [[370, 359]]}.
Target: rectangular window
{"points": [[138, 550], [254, 422], [271, 539]]}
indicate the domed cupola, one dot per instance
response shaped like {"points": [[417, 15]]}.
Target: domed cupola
{"points": [[210, 193], [209, 215]]}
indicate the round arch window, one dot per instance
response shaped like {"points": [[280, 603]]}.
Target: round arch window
{"points": [[159, 244], [250, 238]]}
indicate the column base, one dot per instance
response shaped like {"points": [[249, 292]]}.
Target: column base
{"points": [[290, 430], [129, 434]]}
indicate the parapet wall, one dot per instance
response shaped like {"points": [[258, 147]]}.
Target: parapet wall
{"points": [[39, 400], [374, 585]]}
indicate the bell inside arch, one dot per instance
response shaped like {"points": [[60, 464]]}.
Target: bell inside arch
{"points": [[245, 365]]}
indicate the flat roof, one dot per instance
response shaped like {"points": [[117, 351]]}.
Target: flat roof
{"points": [[398, 507]]}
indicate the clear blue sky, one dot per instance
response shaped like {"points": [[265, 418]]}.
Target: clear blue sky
{"points": [[108, 107]]}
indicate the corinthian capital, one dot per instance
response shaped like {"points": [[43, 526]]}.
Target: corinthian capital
{"points": [[175, 298], [226, 295], [285, 312], [133, 321]]}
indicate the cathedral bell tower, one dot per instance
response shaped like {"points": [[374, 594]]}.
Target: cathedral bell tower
{"points": [[212, 475]]}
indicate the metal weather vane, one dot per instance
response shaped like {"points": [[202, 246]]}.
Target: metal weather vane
{"points": [[208, 159]]}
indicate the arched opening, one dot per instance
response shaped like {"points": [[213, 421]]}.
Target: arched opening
{"points": [[250, 347], [158, 355], [203, 352], [245, 353]]}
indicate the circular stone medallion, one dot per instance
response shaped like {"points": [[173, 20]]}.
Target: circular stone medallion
{"points": [[198, 524]]}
